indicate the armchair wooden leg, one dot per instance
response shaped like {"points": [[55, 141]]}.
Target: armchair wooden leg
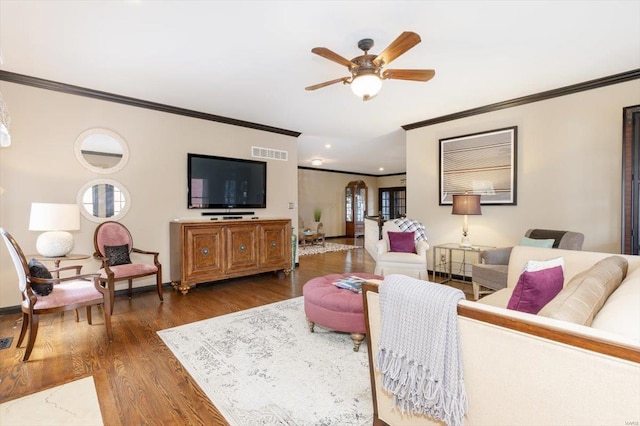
{"points": [[107, 307], [23, 330], [33, 332], [112, 295], [130, 289], [88, 314], [159, 284]]}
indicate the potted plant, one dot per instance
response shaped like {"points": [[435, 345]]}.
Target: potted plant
{"points": [[317, 215]]}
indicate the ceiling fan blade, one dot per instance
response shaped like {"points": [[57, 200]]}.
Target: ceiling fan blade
{"points": [[327, 83], [404, 42], [417, 75], [332, 56]]}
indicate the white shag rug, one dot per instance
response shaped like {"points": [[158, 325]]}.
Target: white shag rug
{"points": [[318, 249], [262, 366]]}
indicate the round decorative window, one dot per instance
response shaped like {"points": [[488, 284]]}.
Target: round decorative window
{"points": [[102, 199]]}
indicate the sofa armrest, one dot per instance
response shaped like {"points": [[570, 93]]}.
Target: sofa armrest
{"points": [[497, 256], [558, 354], [422, 247], [381, 247]]}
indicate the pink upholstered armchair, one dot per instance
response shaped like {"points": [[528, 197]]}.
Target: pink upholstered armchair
{"points": [[113, 244], [56, 294]]}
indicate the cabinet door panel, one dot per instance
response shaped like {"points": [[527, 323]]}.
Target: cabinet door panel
{"points": [[206, 251], [274, 245], [242, 248]]}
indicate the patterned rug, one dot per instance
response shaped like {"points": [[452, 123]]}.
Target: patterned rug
{"points": [[262, 366], [318, 249]]}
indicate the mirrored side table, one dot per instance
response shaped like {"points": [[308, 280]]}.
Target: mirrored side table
{"points": [[454, 261]]}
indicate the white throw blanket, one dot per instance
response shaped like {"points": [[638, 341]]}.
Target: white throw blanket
{"points": [[419, 350]]}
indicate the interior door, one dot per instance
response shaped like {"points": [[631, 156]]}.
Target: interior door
{"points": [[631, 181]]}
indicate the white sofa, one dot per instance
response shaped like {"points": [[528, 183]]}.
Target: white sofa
{"points": [[524, 369]]}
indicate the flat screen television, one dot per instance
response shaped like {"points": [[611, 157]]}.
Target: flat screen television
{"points": [[225, 183]]}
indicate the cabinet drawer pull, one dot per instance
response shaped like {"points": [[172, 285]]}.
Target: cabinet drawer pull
{"points": [[205, 251], [273, 244], [242, 247]]}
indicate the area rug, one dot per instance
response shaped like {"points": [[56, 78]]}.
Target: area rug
{"points": [[74, 403], [262, 366], [318, 249]]}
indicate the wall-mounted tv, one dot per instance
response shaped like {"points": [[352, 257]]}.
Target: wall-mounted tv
{"points": [[225, 183]]}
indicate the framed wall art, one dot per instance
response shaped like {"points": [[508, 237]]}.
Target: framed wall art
{"points": [[481, 163]]}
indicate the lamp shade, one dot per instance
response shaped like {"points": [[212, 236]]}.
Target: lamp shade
{"points": [[56, 220], [5, 136], [366, 85], [466, 204], [54, 217]]}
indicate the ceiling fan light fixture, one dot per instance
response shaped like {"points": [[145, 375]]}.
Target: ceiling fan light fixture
{"points": [[366, 85]]}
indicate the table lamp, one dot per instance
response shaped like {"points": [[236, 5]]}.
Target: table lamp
{"points": [[466, 204], [56, 220]]}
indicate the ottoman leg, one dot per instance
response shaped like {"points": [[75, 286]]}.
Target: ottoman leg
{"points": [[357, 339], [310, 323]]}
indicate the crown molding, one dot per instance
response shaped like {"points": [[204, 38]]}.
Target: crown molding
{"points": [[567, 90], [112, 97]]}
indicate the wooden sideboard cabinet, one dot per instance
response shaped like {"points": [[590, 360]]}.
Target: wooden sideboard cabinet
{"points": [[204, 251]]}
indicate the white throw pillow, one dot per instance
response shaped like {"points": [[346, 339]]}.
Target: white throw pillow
{"points": [[540, 265]]}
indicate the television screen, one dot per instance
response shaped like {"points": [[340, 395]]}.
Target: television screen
{"points": [[219, 182]]}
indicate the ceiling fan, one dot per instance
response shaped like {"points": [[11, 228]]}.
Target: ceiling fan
{"points": [[367, 70]]}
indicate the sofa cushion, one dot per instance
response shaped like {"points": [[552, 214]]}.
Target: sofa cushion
{"points": [[584, 295], [538, 284], [621, 311], [402, 242], [533, 242]]}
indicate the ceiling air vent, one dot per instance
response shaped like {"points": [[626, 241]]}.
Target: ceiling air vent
{"points": [[269, 154]]}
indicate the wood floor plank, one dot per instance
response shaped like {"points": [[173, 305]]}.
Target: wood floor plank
{"points": [[138, 380]]}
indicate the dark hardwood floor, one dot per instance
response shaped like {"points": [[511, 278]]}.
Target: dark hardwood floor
{"points": [[138, 380]]}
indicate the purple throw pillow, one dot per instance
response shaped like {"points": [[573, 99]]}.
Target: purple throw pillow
{"points": [[536, 289], [402, 242]]}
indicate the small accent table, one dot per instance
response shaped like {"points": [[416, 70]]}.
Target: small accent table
{"points": [[311, 238], [445, 256], [57, 259]]}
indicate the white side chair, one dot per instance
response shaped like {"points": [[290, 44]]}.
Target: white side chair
{"points": [[410, 264]]}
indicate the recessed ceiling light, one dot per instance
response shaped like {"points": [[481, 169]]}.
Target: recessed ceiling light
{"points": [[381, 169], [328, 146], [316, 162]]}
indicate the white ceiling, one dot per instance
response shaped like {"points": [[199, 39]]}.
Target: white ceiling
{"points": [[251, 60]]}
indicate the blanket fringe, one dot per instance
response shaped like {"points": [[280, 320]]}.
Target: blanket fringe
{"points": [[415, 390]]}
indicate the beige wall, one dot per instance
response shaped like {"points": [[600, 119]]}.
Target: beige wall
{"points": [[569, 170], [40, 166], [391, 182], [326, 190]]}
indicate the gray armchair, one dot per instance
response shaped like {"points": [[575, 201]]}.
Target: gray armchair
{"points": [[491, 273]]}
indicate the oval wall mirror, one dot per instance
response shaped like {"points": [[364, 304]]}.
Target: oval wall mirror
{"points": [[102, 199], [101, 150]]}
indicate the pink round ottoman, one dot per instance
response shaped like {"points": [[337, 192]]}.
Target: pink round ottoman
{"points": [[335, 308]]}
